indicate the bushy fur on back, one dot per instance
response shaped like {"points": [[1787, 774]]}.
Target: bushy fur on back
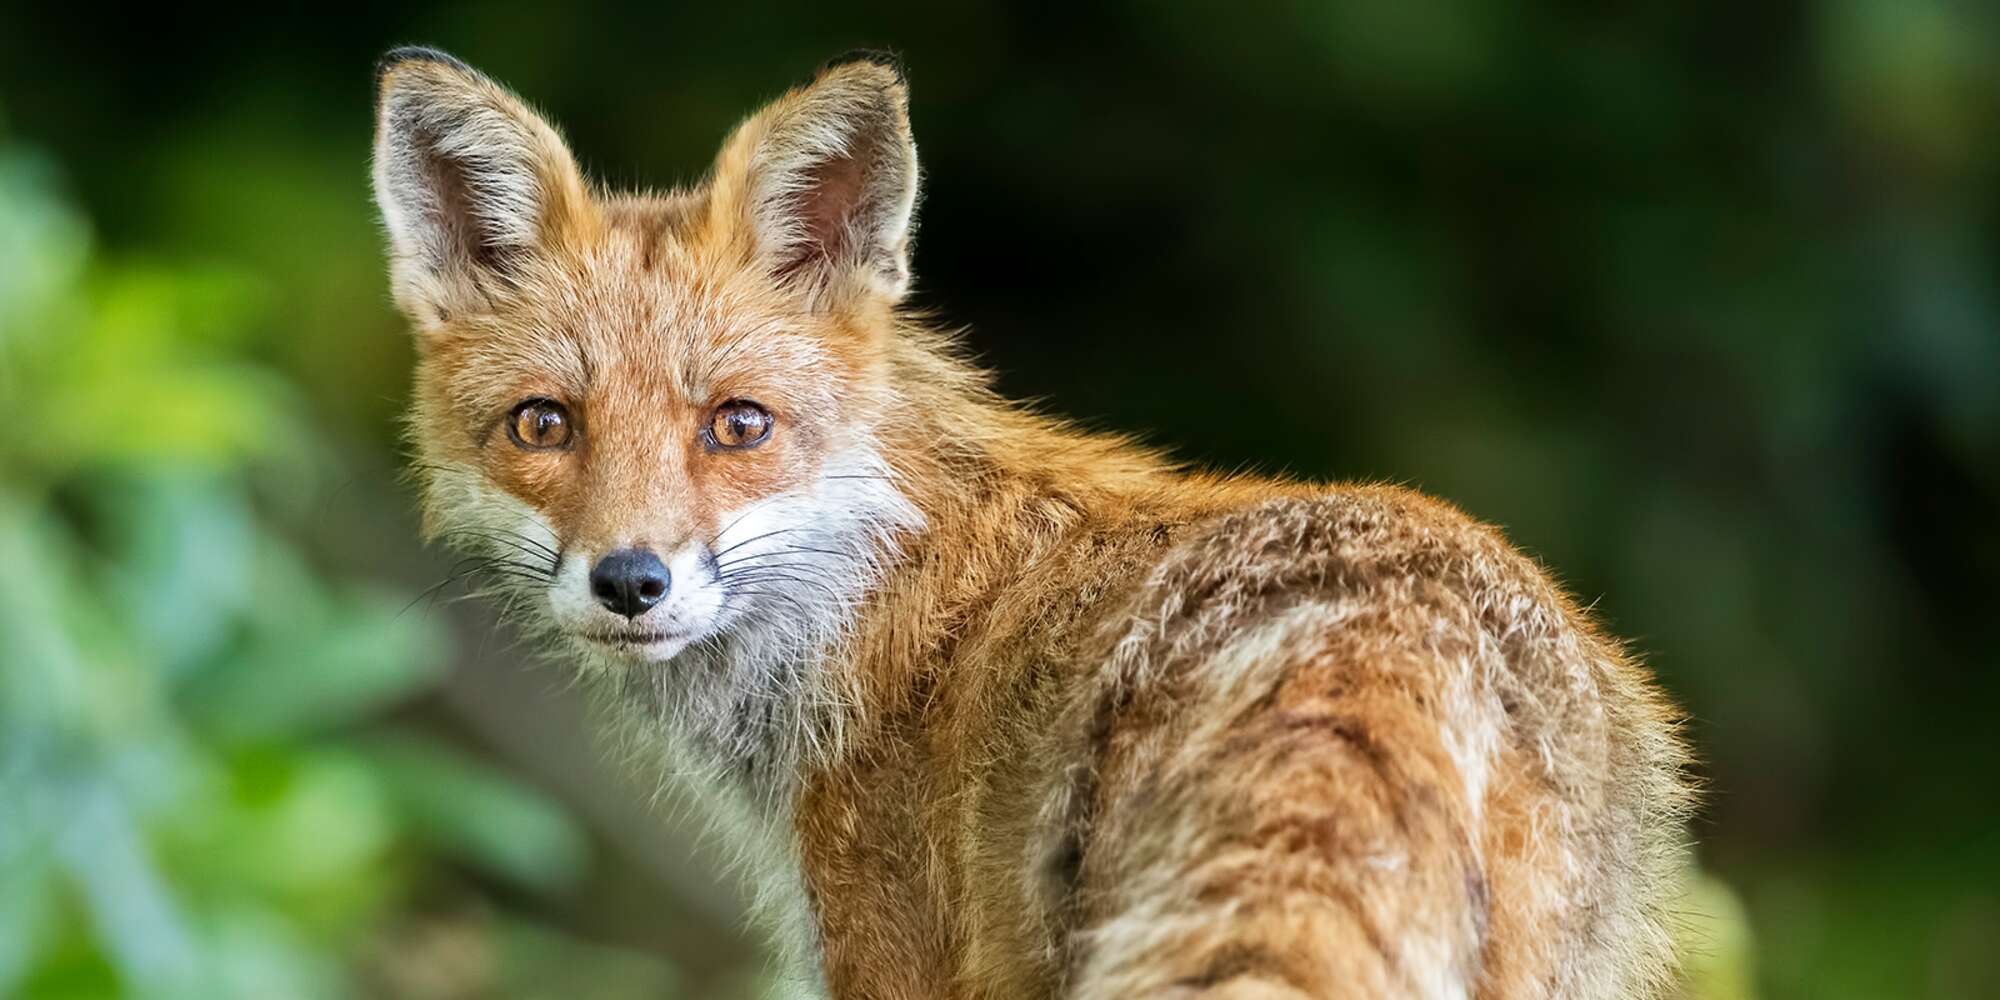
{"points": [[997, 708]]}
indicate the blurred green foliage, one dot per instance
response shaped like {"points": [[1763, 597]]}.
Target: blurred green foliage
{"points": [[1697, 300]]}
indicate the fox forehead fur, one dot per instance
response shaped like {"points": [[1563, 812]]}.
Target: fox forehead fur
{"points": [[1002, 708]]}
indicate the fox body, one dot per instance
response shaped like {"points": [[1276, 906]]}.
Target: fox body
{"points": [[998, 707]]}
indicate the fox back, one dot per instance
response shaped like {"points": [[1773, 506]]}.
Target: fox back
{"points": [[994, 706]]}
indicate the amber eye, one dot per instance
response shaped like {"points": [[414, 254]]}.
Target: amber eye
{"points": [[739, 423], [539, 425]]}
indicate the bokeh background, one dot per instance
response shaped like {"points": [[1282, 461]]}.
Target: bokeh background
{"points": [[1698, 300]]}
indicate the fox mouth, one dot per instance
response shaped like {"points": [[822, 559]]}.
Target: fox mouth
{"points": [[628, 639]]}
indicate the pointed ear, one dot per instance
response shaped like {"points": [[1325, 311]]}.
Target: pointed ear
{"points": [[474, 187], [820, 187]]}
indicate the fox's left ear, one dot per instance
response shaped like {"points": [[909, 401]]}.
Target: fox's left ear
{"points": [[820, 187]]}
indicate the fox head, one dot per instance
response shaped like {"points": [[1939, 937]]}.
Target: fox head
{"points": [[655, 419]]}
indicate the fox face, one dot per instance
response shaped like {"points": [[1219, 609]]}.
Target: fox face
{"points": [[652, 420]]}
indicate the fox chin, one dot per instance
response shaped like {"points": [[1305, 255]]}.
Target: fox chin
{"points": [[999, 707]]}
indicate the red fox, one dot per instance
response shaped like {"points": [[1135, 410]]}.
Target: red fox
{"points": [[998, 708]]}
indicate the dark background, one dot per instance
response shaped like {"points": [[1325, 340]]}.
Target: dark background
{"points": [[1698, 301]]}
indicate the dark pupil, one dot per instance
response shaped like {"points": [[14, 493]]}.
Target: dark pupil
{"points": [[742, 425], [547, 422]]}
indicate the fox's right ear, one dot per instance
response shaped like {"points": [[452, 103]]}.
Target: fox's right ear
{"points": [[475, 189]]}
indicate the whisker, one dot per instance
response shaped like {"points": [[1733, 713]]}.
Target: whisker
{"points": [[461, 570], [753, 538], [501, 562], [430, 591], [522, 546], [534, 569], [477, 563], [746, 565], [515, 539], [788, 550], [747, 511], [768, 575], [529, 576]]}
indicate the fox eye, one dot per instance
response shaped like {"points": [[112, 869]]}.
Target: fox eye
{"points": [[739, 423], [539, 425]]}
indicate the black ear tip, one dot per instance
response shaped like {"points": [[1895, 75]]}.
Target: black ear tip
{"points": [[881, 57], [415, 53]]}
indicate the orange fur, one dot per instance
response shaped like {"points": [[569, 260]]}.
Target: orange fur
{"points": [[1035, 713]]}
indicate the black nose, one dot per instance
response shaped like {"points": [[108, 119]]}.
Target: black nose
{"points": [[629, 581]]}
